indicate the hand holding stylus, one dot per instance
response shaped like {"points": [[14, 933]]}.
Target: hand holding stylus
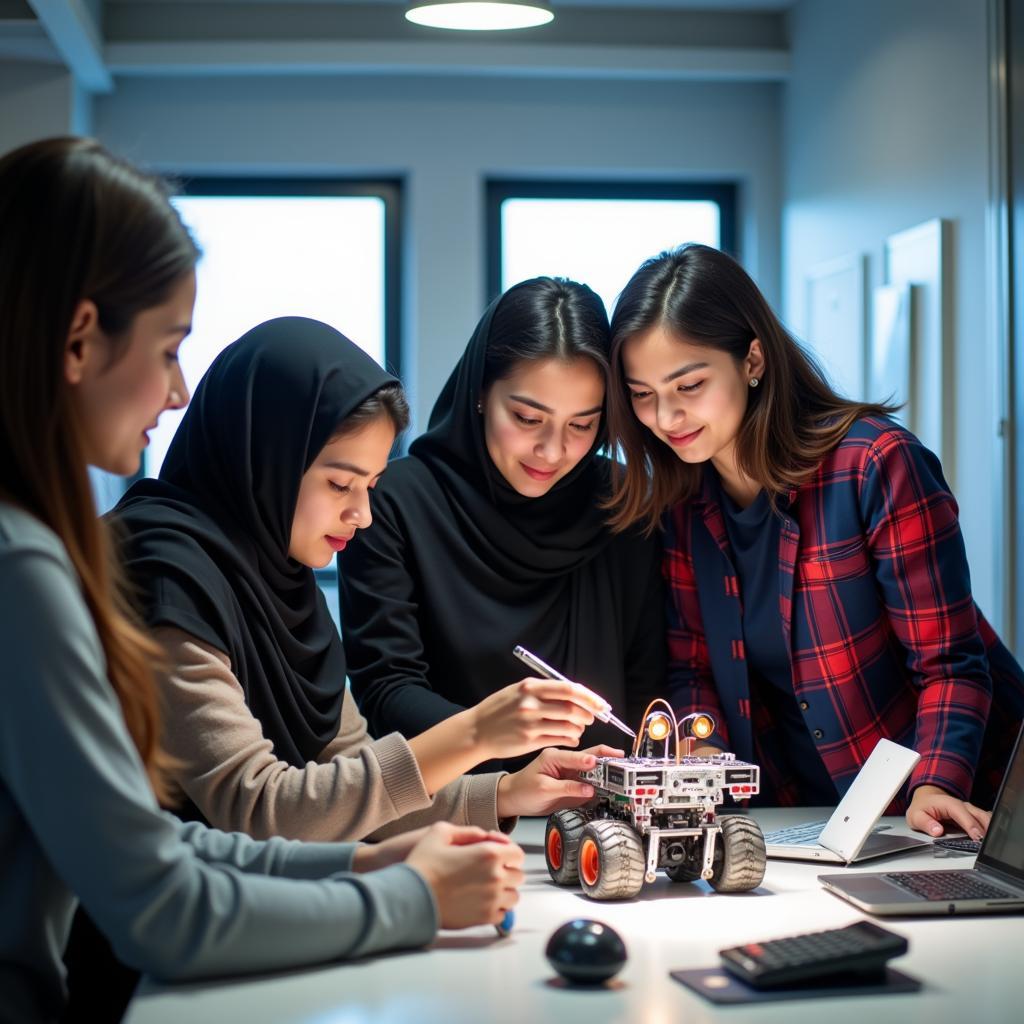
{"points": [[544, 669], [532, 714]]}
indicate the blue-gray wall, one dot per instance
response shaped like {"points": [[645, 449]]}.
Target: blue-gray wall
{"points": [[886, 126]]}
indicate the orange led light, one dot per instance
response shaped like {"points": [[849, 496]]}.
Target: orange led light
{"points": [[658, 727], [703, 727]]}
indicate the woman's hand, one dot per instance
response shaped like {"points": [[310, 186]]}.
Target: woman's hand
{"points": [[550, 782], [531, 714], [374, 856], [474, 875], [931, 806]]}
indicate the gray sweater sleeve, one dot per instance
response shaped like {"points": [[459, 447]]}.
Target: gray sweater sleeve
{"points": [[176, 901]]}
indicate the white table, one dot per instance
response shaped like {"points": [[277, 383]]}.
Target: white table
{"points": [[972, 968]]}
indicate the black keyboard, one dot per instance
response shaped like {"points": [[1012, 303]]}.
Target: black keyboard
{"points": [[960, 843], [947, 885], [859, 950]]}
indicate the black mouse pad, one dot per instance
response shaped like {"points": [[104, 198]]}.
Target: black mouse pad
{"points": [[719, 986]]}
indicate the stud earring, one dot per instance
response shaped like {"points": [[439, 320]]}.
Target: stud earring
{"points": [[754, 381], [174, 398], [479, 406]]}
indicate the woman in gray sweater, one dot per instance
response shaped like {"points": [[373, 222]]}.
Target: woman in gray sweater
{"points": [[96, 292]]}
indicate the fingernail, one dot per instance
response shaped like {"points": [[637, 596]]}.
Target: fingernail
{"points": [[936, 830]]}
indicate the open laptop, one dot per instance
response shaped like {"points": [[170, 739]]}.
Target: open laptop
{"points": [[847, 837], [995, 883]]}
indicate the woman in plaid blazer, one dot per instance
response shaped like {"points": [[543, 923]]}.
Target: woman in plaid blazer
{"points": [[820, 597]]}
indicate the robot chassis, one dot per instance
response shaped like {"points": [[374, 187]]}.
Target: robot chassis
{"points": [[652, 813]]}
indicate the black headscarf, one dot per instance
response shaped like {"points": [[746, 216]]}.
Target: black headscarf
{"points": [[207, 542], [530, 538], [458, 568]]}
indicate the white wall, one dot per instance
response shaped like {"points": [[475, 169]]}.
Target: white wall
{"points": [[886, 126], [445, 136]]}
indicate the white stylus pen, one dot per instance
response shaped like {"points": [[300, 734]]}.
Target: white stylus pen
{"points": [[544, 669]]}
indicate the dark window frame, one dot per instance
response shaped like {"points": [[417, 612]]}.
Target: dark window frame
{"points": [[497, 190]]}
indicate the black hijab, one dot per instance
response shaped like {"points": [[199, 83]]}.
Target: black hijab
{"points": [[531, 538], [458, 568], [206, 544]]}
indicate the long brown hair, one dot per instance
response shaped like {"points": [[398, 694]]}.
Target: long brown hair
{"points": [[793, 419], [78, 223]]}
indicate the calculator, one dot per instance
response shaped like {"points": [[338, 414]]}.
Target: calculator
{"points": [[857, 952]]}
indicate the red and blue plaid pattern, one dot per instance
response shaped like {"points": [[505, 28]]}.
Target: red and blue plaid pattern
{"points": [[875, 597]]}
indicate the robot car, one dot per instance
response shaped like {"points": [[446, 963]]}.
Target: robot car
{"points": [[651, 813]]}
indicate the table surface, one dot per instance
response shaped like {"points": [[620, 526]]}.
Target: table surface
{"points": [[970, 967]]}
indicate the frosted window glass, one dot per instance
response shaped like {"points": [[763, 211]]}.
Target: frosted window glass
{"points": [[268, 256], [600, 242]]}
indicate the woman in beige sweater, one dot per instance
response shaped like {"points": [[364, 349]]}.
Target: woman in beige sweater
{"points": [[267, 478]]}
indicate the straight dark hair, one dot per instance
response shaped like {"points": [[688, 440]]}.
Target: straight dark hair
{"points": [[77, 223], [794, 418], [546, 318]]}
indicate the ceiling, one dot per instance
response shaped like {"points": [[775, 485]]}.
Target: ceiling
{"points": [[104, 41], [677, 5]]}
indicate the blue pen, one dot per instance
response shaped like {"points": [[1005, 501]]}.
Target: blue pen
{"points": [[507, 922]]}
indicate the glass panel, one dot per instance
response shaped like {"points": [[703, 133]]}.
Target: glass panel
{"points": [[267, 256], [600, 242]]}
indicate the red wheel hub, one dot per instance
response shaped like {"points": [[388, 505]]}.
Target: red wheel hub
{"points": [[590, 862], [554, 849]]}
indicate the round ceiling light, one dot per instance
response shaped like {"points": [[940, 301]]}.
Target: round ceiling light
{"points": [[468, 15]]}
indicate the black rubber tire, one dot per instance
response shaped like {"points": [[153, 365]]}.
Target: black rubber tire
{"points": [[740, 856], [569, 826], [620, 861]]}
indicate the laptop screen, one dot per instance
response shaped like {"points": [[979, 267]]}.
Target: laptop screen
{"points": [[1003, 848]]}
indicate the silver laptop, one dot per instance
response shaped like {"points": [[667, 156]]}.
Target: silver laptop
{"points": [[995, 883], [848, 837]]}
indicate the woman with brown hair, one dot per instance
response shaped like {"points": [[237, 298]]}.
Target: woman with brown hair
{"points": [[819, 591], [96, 293]]}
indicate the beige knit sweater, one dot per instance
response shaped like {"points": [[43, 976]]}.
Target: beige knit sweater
{"points": [[357, 788]]}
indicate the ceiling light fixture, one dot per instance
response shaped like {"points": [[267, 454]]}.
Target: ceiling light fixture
{"points": [[493, 15]]}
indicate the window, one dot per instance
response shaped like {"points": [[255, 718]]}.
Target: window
{"points": [[598, 233], [322, 249], [326, 250]]}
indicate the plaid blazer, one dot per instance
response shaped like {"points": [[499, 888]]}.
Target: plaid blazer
{"points": [[875, 598]]}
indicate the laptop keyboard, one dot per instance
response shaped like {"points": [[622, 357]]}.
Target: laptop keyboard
{"points": [[796, 835], [947, 885]]}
